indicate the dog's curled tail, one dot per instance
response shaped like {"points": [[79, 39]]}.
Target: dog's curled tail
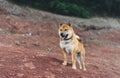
{"points": [[78, 38]]}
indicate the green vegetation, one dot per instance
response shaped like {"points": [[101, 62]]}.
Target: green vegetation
{"points": [[78, 8]]}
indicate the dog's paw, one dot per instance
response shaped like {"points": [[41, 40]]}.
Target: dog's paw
{"points": [[84, 69], [80, 67], [73, 67], [64, 64]]}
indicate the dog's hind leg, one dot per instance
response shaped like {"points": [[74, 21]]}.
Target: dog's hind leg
{"points": [[78, 60], [73, 60], [82, 58]]}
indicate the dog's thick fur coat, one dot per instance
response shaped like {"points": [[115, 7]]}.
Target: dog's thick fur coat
{"points": [[71, 43]]}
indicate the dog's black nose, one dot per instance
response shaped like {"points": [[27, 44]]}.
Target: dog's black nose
{"points": [[62, 35]]}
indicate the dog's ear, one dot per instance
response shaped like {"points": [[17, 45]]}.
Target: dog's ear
{"points": [[60, 24], [69, 23]]}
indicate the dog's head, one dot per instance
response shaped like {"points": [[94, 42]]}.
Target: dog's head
{"points": [[65, 31]]}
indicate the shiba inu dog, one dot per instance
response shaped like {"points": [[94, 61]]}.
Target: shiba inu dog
{"points": [[71, 43]]}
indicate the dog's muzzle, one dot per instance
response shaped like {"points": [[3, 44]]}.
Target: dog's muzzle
{"points": [[62, 35]]}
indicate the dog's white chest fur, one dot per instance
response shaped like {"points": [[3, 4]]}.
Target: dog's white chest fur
{"points": [[68, 47]]}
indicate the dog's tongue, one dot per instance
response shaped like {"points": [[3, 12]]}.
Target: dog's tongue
{"points": [[62, 38]]}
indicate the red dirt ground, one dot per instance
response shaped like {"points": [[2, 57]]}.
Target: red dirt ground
{"points": [[30, 49]]}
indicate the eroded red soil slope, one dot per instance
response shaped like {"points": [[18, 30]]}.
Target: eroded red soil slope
{"points": [[30, 49]]}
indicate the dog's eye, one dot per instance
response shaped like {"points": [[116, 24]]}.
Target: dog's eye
{"points": [[66, 29], [60, 29]]}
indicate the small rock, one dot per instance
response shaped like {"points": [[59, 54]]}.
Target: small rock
{"points": [[98, 33], [2, 31], [35, 43], [17, 43], [29, 34], [49, 49]]}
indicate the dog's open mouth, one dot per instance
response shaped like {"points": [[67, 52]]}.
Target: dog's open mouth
{"points": [[66, 36]]}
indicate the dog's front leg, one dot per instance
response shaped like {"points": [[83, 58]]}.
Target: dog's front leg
{"points": [[73, 60], [64, 58]]}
